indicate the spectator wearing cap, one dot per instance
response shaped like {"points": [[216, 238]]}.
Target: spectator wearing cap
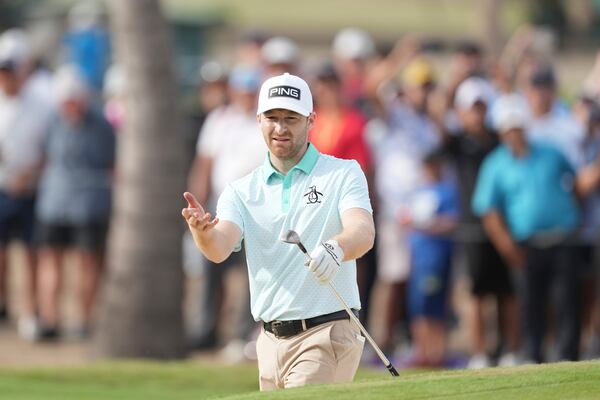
{"points": [[24, 120], [18, 46], [410, 135], [74, 202], [229, 146], [212, 92], [280, 54], [353, 52], [525, 194], [339, 130], [249, 50], [430, 218], [466, 62], [488, 274], [551, 122]]}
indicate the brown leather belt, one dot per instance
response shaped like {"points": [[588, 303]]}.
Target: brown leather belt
{"points": [[285, 329]]}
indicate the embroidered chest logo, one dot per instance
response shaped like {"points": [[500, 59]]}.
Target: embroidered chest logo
{"points": [[313, 195]]}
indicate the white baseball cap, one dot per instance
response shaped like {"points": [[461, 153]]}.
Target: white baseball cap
{"points": [[286, 91], [471, 91], [353, 44], [280, 50], [14, 48], [69, 84], [510, 112]]}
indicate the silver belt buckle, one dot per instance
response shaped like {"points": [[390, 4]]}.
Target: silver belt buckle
{"points": [[275, 325]]}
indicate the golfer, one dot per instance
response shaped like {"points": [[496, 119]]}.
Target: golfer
{"points": [[306, 337]]}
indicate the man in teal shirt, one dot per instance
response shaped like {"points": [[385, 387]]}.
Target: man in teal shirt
{"points": [[525, 194], [307, 338]]}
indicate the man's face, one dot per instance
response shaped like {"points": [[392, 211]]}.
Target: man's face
{"points": [[285, 132], [73, 110], [514, 139], [417, 96], [540, 98], [473, 118]]}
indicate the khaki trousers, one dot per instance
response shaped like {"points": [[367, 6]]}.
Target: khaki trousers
{"points": [[327, 353]]}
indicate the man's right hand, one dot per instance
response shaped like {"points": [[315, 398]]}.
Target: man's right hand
{"points": [[197, 219]]}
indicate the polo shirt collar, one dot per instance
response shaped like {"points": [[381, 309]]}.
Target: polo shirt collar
{"points": [[306, 164]]}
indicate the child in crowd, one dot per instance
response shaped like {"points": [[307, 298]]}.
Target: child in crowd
{"points": [[431, 216]]}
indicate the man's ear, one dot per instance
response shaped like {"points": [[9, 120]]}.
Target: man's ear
{"points": [[310, 121], [258, 118]]}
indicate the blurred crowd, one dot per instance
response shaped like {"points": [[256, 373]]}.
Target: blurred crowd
{"points": [[57, 152], [478, 169]]}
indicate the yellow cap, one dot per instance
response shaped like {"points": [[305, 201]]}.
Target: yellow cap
{"points": [[418, 72]]}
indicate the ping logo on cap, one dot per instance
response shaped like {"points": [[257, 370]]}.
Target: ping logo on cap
{"points": [[284, 91]]}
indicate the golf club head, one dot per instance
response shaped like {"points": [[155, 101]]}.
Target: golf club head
{"points": [[293, 238], [290, 237]]}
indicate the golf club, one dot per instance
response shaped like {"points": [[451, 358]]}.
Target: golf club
{"points": [[293, 238]]}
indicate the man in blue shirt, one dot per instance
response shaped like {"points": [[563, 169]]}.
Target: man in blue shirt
{"points": [[525, 194]]}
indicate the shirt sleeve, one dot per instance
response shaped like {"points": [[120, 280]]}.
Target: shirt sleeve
{"points": [[228, 210], [355, 192], [487, 195]]}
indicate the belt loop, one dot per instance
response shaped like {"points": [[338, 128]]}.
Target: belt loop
{"points": [[304, 325]]}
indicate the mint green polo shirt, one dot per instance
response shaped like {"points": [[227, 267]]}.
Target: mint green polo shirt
{"points": [[310, 199]]}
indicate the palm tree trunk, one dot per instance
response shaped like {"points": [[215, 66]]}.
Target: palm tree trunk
{"points": [[141, 302]]}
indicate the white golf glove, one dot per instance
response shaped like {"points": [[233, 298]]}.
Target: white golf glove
{"points": [[326, 260]]}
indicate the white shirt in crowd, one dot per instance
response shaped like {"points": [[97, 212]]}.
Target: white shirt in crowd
{"points": [[399, 153], [233, 140], [560, 129], [24, 121]]}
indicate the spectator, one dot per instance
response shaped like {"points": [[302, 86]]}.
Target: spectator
{"points": [[229, 147], [353, 52], [411, 135], [36, 77], [431, 218], [467, 62], [24, 119], [339, 130], [249, 51], [280, 55], [525, 195], [552, 123], [487, 271], [87, 43], [74, 201]]}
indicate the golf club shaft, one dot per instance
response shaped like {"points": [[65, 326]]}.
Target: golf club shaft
{"points": [[354, 318]]}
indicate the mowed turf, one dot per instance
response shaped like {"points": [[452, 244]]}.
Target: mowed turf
{"points": [[187, 380]]}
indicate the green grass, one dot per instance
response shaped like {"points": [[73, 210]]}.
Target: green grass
{"points": [[187, 380]]}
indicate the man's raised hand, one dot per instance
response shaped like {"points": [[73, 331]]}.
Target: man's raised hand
{"points": [[195, 216]]}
